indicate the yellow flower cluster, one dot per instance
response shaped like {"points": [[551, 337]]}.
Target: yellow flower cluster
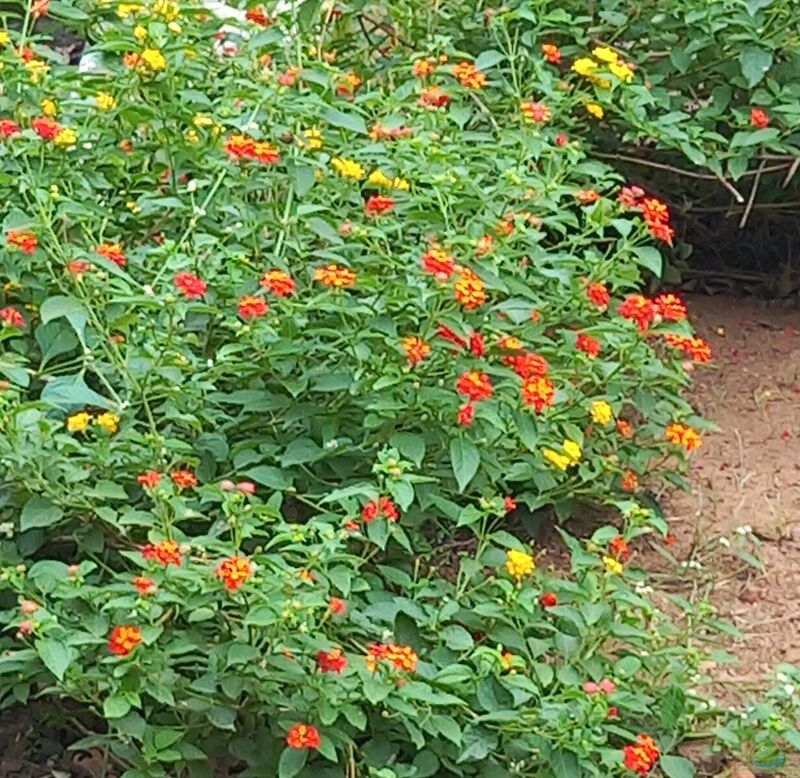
{"points": [[312, 138], [48, 107], [36, 68], [601, 412], [65, 137], [609, 60], [79, 422], [348, 168], [378, 178], [154, 59], [571, 455], [519, 564], [105, 101], [612, 565]]}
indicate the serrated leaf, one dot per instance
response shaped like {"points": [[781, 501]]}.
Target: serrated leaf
{"points": [[55, 655], [39, 512], [115, 707], [676, 767], [292, 761]]}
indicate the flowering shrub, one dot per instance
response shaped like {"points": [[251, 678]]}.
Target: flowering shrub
{"points": [[279, 306]]}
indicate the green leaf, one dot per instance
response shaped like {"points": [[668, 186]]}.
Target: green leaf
{"points": [[565, 764], [650, 258], [755, 63], [115, 707], [292, 761], [488, 59], [754, 6], [61, 10], [58, 306], [465, 459], [676, 767], [627, 666], [304, 179], [301, 451], [222, 718], [271, 477], [348, 121], [39, 512], [456, 638], [71, 391], [755, 137], [55, 655]]}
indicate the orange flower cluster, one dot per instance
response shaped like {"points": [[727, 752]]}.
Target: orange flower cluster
{"points": [[258, 16], [527, 365], [348, 84], [183, 479], [234, 572], [45, 127], [538, 113], [474, 385], [401, 657], [422, 68], [759, 118], [469, 290], [9, 128], [150, 479], [416, 349], [618, 548], [335, 276], [383, 506], [670, 307], [278, 282], [331, 661], [629, 481], [240, 147], [165, 552], [123, 640], [377, 205], [302, 736], [23, 240], [551, 53], [469, 76], [251, 307], [642, 756], [654, 212], [681, 435], [538, 392], [695, 348], [390, 133], [112, 252]]}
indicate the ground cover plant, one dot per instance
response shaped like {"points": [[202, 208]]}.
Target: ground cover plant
{"points": [[305, 325]]}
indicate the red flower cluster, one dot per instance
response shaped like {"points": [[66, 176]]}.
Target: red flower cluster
{"points": [[337, 606], [629, 482], [390, 133], [123, 640], [383, 506], [331, 661], [670, 307], [190, 285], [281, 284], [618, 548], [165, 552], [474, 385], [638, 309], [538, 113], [548, 600], [527, 365], [433, 97], [416, 349], [234, 572], [302, 736], [401, 657], [759, 118], [654, 212], [642, 756], [587, 344], [598, 295], [11, 317], [377, 205], [23, 240], [258, 16], [438, 263], [45, 127], [240, 147], [695, 348], [9, 128]]}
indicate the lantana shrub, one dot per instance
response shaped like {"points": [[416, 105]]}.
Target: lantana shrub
{"points": [[283, 309]]}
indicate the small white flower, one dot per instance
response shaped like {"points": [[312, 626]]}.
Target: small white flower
{"points": [[789, 689], [148, 290], [197, 211], [725, 542], [7, 529], [87, 145], [192, 185], [332, 443], [781, 677], [210, 362]]}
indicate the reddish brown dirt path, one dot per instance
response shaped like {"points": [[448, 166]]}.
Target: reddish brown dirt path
{"points": [[748, 474]]}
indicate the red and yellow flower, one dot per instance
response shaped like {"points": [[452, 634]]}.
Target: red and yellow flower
{"points": [[234, 572], [124, 639]]}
